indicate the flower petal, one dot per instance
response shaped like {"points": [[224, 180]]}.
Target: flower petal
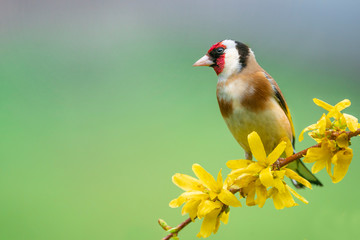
{"points": [[256, 147], [298, 196], [206, 178], [177, 202], [244, 180], [261, 194], [313, 155], [318, 166], [208, 224], [293, 175], [224, 217], [328, 167], [287, 199], [250, 198], [217, 225], [194, 195], [351, 122], [276, 153], [308, 128], [219, 179], [235, 174], [238, 164], [319, 154], [208, 206], [271, 192], [187, 183], [279, 173], [336, 111], [340, 123], [191, 207], [213, 195], [279, 185], [254, 167], [228, 198], [323, 104], [266, 177], [342, 160], [321, 124], [276, 197], [342, 140], [289, 148]]}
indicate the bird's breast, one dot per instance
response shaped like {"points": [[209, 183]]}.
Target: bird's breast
{"points": [[243, 116]]}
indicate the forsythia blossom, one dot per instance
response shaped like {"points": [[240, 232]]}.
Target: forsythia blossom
{"points": [[261, 180], [210, 199], [204, 198], [333, 151]]}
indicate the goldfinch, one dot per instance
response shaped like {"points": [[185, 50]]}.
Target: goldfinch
{"points": [[250, 100]]}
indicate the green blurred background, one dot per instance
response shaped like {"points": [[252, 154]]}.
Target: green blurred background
{"points": [[100, 106]]}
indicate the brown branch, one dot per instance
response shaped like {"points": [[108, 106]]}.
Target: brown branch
{"points": [[281, 162], [350, 134], [178, 229]]}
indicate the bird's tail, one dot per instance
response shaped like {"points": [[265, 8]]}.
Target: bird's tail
{"points": [[299, 167]]}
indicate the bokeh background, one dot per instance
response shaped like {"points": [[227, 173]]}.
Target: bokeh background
{"points": [[100, 106]]}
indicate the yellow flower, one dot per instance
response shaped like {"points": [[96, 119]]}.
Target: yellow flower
{"points": [[205, 198], [327, 154], [216, 188], [264, 163], [321, 156], [211, 222], [281, 192], [320, 127], [342, 140], [283, 198], [336, 152], [351, 122], [343, 120], [334, 111], [253, 179], [289, 150], [341, 161]]}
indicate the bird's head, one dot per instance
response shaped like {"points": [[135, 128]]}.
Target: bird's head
{"points": [[226, 57]]}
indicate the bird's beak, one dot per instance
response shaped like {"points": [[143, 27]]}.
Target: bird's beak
{"points": [[204, 61]]}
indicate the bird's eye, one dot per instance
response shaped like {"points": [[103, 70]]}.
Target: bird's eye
{"points": [[220, 50]]}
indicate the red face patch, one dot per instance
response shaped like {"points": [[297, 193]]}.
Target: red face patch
{"points": [[216, 45], [219, 58]]}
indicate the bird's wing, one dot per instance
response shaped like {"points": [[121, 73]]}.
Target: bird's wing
{"points": [[297, 165], [279, 97]]}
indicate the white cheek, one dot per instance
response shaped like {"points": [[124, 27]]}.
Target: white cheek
{"points": [[231, 64]]}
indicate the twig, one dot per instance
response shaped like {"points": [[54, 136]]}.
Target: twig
{"points": [[178, 228], [285, 161], [350, 134]]}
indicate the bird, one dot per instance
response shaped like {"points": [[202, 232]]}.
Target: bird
{"points": [[250, 100]]}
